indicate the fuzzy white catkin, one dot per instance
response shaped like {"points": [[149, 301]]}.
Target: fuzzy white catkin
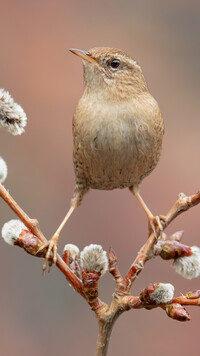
{"points": [[11, 230], [163, 293], [3, 170], [188, 266], [74, 250], [12, 116], [94, 258]]}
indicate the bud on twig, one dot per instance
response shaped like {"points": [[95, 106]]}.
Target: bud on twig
{"points": [[94, 264], [189, 266], [193, 295], [177, 236], [157, 293], [174, 249], [70, 256], [12, 116], [94, 258], [73, 249], [14, 232], [113, 265], [177, 312], [11, 230], [31, 244], [3, 170], [90, 284]]}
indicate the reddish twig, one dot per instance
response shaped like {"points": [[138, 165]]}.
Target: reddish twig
{"points": [[33, 226], [185, 301], [182, 204], [122, 300], [136, 303], [113, 266]]}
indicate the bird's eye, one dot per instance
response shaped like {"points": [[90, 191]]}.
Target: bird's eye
{"points": [[115, 63]]}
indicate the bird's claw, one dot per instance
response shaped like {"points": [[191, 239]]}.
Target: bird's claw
{"points": [[51, 254], [156, 225]]}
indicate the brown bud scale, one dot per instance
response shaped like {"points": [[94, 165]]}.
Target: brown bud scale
{"points": [[177, 312]]}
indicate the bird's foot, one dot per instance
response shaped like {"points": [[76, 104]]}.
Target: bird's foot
{"points": [[156, 225], [51, 254]]}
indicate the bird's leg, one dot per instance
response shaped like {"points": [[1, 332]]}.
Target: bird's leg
{"points": [[154, 221], [53, 242]]}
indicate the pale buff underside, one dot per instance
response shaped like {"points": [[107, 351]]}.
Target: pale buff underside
{"points": [[114, 145]]}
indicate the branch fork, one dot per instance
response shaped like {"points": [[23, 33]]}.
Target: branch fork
{"points": [[85, 282]]}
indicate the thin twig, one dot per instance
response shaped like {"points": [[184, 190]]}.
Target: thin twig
{"points": [[122, 300], [183, 203], [185, 301], [136, 303], [113, 266], [33, 226], [143, 256]]}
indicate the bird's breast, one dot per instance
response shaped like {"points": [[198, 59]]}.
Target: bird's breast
{"points": [[113, 147]]}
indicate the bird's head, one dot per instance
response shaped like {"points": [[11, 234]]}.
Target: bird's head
{"points": [[112, 71]]}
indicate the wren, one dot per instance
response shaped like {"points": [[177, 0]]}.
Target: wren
{"points": [[117, 130]]}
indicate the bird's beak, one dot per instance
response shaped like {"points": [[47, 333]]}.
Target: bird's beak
{"points": [[86, 56]]}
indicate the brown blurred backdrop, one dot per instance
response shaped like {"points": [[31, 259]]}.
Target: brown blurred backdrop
{"points": [[44, 316]]}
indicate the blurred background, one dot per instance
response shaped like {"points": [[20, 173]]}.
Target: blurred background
{"points": [[43, 315]]}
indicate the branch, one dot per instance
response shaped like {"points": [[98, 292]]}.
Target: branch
{"points": [[185, 301], [122, 301], [143, 256], [182, 204], [105, 329], [113, 266], [33, 226], [134, 302]]}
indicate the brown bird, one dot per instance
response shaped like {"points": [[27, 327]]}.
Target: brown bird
{"points": [[117, 130]]}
